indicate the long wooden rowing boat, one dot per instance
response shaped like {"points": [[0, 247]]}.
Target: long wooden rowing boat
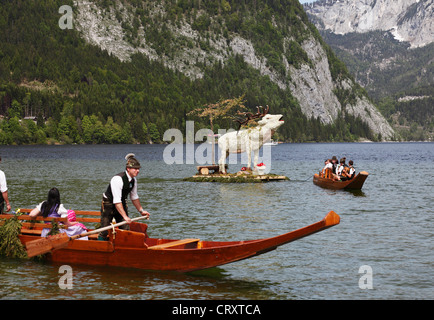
{"points": [[134, 249], [354, 184]]}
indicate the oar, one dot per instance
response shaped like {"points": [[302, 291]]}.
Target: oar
{"points": [[44, 245]]}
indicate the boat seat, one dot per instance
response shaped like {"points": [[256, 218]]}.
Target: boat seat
{"points": [[38, 233], [328, 174], [173, 244], [78, 213], [31, 231]]}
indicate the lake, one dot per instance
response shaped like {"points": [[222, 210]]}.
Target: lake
{"points": [[386, 228]]}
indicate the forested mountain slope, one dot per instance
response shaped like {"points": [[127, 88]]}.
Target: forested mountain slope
{"points": [[129, 70]]}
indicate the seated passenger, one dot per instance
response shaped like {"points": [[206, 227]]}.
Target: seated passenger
{"points": [[351, 171], [335, 164], [53, 208], [329, 166], [74, 226], [340, 167], [343, 170]]}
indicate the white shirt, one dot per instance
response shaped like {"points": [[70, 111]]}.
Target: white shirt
{"points": [[61, 211], [116, 185], [328, 166], [3, 184]]}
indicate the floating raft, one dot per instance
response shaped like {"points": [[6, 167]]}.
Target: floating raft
{"points": [[210, 174], [236, 178]]}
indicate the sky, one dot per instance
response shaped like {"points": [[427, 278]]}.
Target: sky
{"points": [[306, 1]]}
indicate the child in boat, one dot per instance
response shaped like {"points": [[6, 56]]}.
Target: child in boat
{"points": [[53, 208], [75, 226]]}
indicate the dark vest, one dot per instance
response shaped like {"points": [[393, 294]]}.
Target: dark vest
{"points": [[126, 189], [2, 203]]}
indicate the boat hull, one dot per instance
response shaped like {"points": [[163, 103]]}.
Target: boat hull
{"points": [[354, 184], [133, 249]]}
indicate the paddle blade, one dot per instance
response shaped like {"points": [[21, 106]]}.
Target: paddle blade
{"points": [[44, 245]]}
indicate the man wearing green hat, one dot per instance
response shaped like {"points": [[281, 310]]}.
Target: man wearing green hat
{"points": [[114, 198]]}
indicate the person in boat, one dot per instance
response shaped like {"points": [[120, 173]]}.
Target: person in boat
{"points": [[343, 170], [114, 198], [72, 221], [328, 165], [4, 199], [340, 167], [351, 170], [334, 161], [52, 207]]}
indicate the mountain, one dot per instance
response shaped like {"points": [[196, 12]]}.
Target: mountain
{"points": [[388, 46], [407, 20], [143, 65]]}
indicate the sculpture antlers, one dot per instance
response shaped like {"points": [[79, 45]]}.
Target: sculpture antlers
{"points": [[249, 116]]}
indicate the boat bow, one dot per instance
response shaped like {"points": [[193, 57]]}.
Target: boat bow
{"points": [[212, 254], [330, 220]]}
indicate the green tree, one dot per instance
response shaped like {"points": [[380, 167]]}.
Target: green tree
{"points": [[87, 129], [16, 110], [145, 132], [154, 134], [51, 129], [40, 137], [17, 131], [113, 132], [126, 134], [221, 109]]}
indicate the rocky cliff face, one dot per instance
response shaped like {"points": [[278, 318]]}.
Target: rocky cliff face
{"points": [[408, 20], [314, 88], [387, 46], [311, 83]]}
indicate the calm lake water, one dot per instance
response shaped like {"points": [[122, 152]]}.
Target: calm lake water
{"points": [[388, 226]]}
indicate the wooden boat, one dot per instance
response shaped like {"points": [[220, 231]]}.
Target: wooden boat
{"points": [[327, 182], [134, 249]]}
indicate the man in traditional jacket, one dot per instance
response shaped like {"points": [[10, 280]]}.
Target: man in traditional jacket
{"points": [[115, 197]]}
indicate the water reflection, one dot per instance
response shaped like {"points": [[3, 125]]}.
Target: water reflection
{"points": [[357, 193], [40, 280]]}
